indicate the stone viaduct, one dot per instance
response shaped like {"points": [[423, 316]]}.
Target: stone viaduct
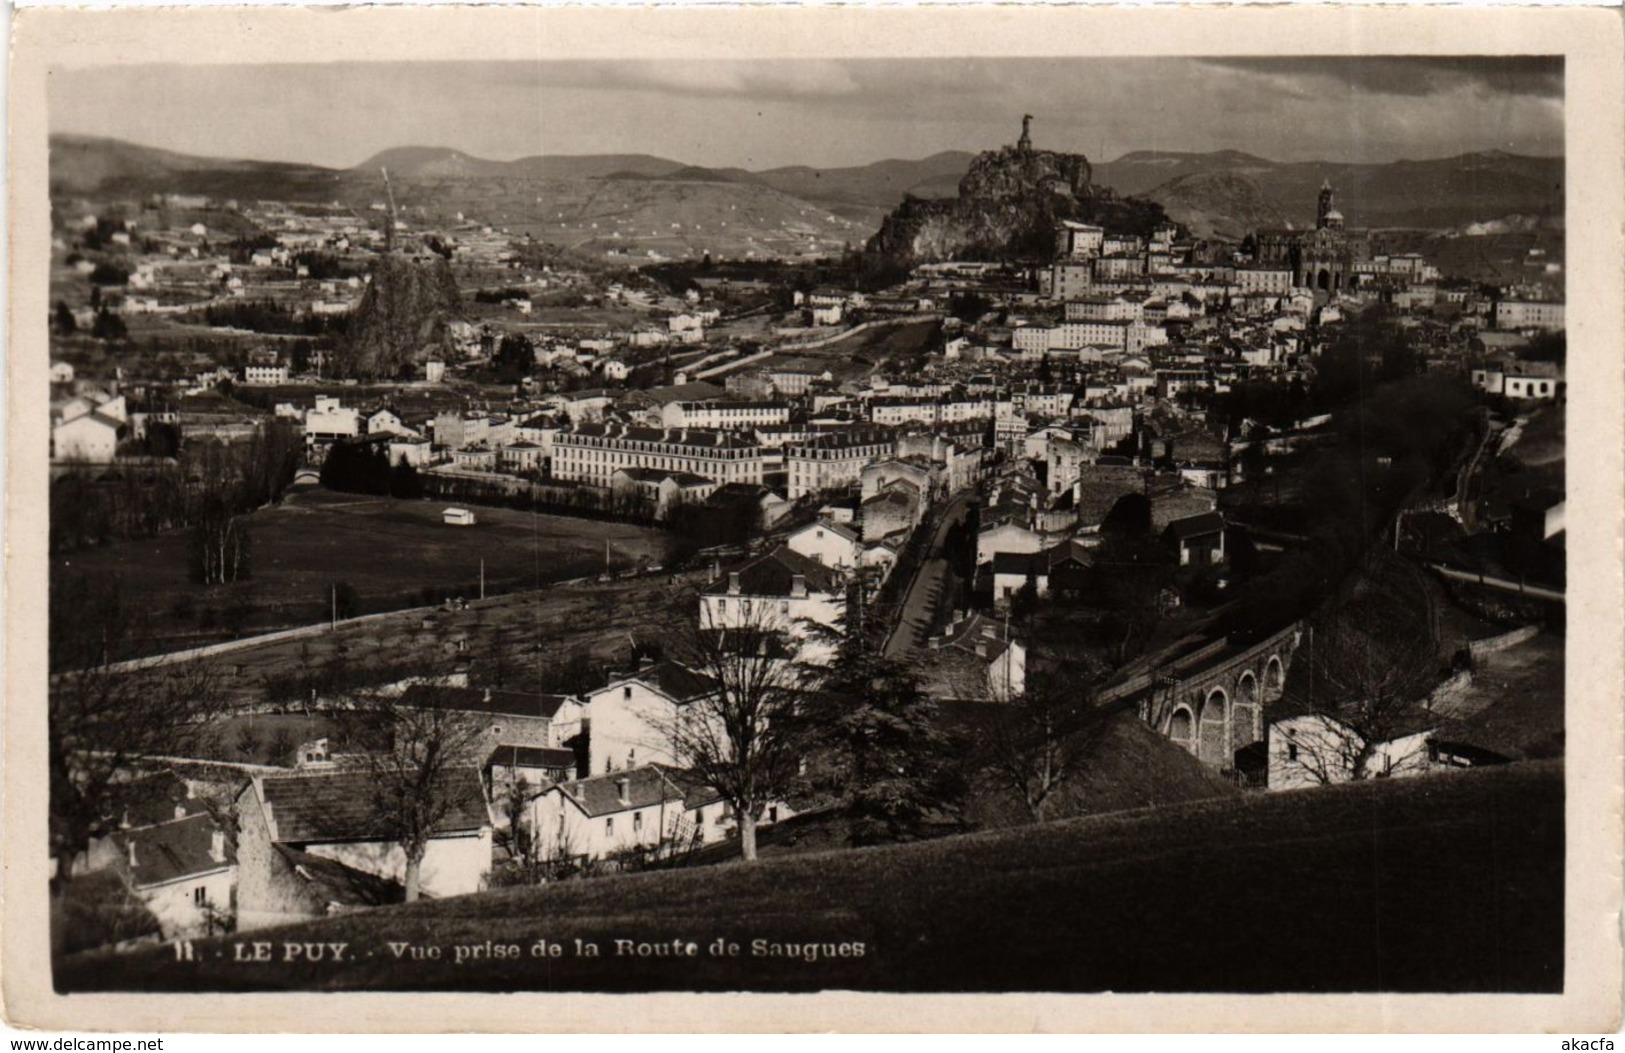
{"points": [[1210, 699]]}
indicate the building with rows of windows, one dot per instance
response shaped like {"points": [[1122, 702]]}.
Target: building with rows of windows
{"points": [[717, 414], [591, 453], [835, 460]]}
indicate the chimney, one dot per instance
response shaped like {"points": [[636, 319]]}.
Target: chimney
{"points": [[131, 846], [488, 695], [798, 586], [733, 583], [981, 648], [180, 810], [217, 846], [621, 790]]}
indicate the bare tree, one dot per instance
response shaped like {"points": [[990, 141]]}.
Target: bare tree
{"points": [[1045, 739], [1371, 657], [520, 836], [220, 546], [419, 760], [104, 716], [745, 738]]}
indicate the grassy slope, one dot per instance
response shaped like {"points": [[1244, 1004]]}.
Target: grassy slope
{"points": [[1451, 883], [389, 550]]}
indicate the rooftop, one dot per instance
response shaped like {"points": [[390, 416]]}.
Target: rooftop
{"points": [[343, 806], [621, 791], [483, 700], [175, 850], [773, 575]]}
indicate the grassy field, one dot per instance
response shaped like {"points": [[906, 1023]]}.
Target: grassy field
{"points": [[394, 553], [1443, 883], [857, 356], [519, 642]]}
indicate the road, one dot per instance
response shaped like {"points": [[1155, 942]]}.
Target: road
{"points": [[919, 605]]}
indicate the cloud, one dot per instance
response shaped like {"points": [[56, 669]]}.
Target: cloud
{"points": [[760, 114], [1530, 75]]}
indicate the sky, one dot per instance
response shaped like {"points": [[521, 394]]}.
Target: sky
{"points": [[827, 113]]}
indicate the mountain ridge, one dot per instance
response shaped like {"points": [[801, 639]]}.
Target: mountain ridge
{"points": [[1437, 193]]}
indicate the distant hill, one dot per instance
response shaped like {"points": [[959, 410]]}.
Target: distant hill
{"points": [[874, 189], [90, 165], [627, 205], [1446, 193], [1219, 204], [424, 162], [1443, 193]]}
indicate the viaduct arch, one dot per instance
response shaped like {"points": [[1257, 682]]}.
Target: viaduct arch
{"points": [[1212, 701]]}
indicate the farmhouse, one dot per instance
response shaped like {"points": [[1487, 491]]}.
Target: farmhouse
{"points": [[531, 767], [781, 592], [628, 717], [977, 659], [597, 817], [1318, 749], [505, 718], [334, 815], [827, 543], [183, 870]]}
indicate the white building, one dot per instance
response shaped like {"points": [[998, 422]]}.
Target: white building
{"points": [[184, 871], [722, 415], [325, 814], [631, 716], [275, 373], [650, 808], [835, 460], [782, 592], [330, 420], [89, 438], [1078, 241], [1529, 314], [591, 453], [1317, 749], [830, 544]]}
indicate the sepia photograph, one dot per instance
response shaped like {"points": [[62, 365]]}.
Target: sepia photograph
{"points": [[929, 523]]}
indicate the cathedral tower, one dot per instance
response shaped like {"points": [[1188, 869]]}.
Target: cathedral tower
{"points": [[1325, 208]]}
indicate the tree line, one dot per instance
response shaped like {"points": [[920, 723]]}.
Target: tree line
{"points": [[92, 505]]}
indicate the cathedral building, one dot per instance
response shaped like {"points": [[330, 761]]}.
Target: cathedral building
{"points": [[1323, 259]]}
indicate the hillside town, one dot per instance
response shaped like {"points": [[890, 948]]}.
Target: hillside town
{"points": [[1140, 519]]}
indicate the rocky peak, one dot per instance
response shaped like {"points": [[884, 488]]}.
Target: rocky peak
{"points": [[1008, 204], [1013, 172]]}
